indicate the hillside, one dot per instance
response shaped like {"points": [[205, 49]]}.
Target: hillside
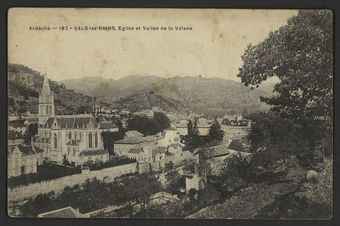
{"points": [[212, 96], [24, 85]]}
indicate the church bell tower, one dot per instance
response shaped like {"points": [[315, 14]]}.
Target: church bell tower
{"points": [[46, 103]]}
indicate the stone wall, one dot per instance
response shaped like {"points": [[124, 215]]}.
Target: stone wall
{"points": [[58, 185]]}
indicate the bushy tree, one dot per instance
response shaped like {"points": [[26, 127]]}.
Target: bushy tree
{"points": [[144, 125], [190, 128], [31, 131], [162, 120], [173, 181], [215, 132], [300, 54]]}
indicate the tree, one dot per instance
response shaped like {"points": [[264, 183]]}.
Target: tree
{"points": [[300, 54], [162, 120], [174, 182], [31, 132], [190, 128], [144, 125], [215, 132]]}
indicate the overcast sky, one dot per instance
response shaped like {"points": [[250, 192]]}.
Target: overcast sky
{"points": [[213, 47]]}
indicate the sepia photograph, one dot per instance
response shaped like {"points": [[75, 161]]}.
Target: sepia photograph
{"points": [[170, 113]]}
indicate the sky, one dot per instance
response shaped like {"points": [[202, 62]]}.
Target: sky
{"points": [[212, 48]]}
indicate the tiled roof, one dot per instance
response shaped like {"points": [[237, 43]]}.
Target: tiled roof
{"points": [[67, 212], [38, 150], [26, 150], [136, 150], [18, 123], [175, 145], [71, 121], [12, 135], [93, 152], [159, 150], [136, 139], [133, 133], [221, 150]]}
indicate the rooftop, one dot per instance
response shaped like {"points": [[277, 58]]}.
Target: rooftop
{"points": [[67, 212], [12, 135], [93, 152]]}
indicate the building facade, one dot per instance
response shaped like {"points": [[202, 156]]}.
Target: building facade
{"points": [[65, 137]]}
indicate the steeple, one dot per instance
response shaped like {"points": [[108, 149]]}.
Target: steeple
{"points": [[46, 86], [46, 102]]}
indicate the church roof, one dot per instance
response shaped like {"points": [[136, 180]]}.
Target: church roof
{"points": [[71, 121]]}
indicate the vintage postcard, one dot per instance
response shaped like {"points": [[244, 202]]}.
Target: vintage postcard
{"points": [[170, 113]]}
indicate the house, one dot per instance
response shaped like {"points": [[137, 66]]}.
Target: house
{"points": [[163, 198], [15, 138], [140, 154], [134, 139], [107, 126], [216, 156], [18, 126], [98, 155], [158, 158], [22, 159], [41, 155], [67, 212], [169, 136], [175, 149]]}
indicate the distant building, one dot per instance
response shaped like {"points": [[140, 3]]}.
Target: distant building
{"points": [[169, 136], [22, 159], [108, 127], [15, 138], [18, 126], [134, 140]]}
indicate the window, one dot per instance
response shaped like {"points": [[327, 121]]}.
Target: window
{"points": [[16, 160], [96, 139], [47, 111], [90, 140], [55, 141], [69, 135]]}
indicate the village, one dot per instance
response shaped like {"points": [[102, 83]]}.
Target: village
{"points": [[193, 123], [62, 146]]}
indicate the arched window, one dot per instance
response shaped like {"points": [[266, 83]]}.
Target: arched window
{"points": [[55, 141], [90, 140], [96, 139], [47, 110], [50, 109], [69, 135]]}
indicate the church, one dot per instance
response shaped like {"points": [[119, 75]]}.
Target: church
{"points": [[73, 139]]}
